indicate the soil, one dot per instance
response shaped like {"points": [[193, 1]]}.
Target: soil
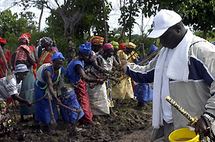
{"points": [[131, 123]]}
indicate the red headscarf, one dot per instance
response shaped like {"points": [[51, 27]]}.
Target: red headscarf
{"points": [[122, 46], [27, 34], [2, 41], [23, 37], [96, 40]]}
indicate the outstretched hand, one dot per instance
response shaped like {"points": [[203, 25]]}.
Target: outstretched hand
{"points": [[58, 102], [123, 63], [201, 126], [29, 103]]}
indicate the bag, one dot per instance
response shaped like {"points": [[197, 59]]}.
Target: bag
{"points": [[143, 92]]}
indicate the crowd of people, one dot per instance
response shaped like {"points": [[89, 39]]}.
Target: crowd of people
{"points": [[183, 69], [87, 85]]}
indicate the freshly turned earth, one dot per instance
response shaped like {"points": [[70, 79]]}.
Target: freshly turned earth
{"points": [[132, 123]]}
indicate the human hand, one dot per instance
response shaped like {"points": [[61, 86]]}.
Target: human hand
{"points": [[100, 81], [58, 102], [29, 103], [123, 63], [202, 127]]}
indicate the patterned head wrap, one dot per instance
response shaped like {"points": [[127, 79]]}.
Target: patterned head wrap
{"points": [[2, 41], [107, 46], [115, 44], [152, 48], [23, 37], [48, 41], [96, 40], [130, 45], [85, 48], [27, 34], [21, 68], [122, 46], [57, 55]]}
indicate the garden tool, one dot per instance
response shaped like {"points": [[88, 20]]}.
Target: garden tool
{"points": [[36, 100], [53, 123], [192, 120], [79, 112]]}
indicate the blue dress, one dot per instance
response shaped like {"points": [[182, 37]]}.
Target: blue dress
{"points": [[67, 93], [143, 91], [43, 113]]}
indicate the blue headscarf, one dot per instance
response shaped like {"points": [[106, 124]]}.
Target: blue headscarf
{"points": [[57, 55], [152, 48], [48, 41], [85, 48]]}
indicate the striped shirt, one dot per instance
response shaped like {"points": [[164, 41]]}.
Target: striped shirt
{"points": [[8, 88]]}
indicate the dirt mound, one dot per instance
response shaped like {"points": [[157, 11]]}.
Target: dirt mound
{"points": [[129, 119]]}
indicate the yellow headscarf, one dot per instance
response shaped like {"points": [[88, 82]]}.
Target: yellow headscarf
{"points": [[130, 45], [115, 44]]}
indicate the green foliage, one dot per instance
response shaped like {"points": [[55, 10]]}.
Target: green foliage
{"points": [[128, 13], [198, 13]]}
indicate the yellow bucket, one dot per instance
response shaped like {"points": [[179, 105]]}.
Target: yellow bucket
{"points": [[184, 135]]}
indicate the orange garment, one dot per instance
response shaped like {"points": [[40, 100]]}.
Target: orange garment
{"points": [[45, 57], [2, 66]]}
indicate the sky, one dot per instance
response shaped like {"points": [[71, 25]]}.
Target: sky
{"points": [[113, 21]]}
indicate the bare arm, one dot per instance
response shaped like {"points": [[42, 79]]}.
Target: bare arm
{"points": [[50, 86], [84, 77], [18, 98]]}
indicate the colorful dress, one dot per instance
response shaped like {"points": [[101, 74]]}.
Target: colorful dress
{"points": [[2, 66], [7, 88], [80, 89], [43, 113], [108, 64], [45, 57], [123, 89], [67, 96]]}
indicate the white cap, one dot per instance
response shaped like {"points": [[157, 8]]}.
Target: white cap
{"points": [[163, 20]]}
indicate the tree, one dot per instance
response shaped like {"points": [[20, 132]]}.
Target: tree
{"points": [[197, 13], [129, 11], [29, 16], [11, 23]]}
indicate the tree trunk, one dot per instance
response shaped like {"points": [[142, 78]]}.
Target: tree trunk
{"points": [[105, 27], [41, 14], [205, 33], [71, 52]]}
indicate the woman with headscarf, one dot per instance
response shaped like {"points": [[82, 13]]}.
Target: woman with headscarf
{"points": [[46, 43], [143, 91], [47, 79], [107, 61], [75, 73], [91, 64], [116, 49], [11, 88], [124, 89], [7, 54], [34, 54], [24, 56]]}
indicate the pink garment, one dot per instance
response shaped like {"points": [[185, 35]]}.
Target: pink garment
{"points": [[107, 46]]}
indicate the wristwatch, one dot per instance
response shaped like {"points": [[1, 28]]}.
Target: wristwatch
{"points": [[211, 119]]}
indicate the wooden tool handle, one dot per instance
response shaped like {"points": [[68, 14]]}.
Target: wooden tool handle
{"points": [[180, 109], [36, 100]]}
